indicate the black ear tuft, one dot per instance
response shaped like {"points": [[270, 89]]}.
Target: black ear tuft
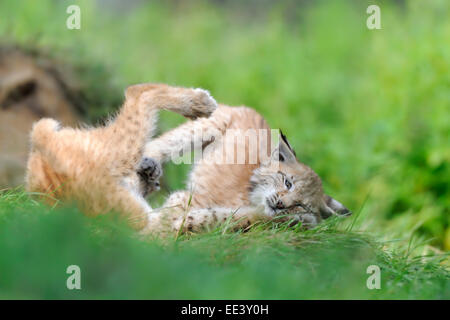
{"points": [[283, 137]]}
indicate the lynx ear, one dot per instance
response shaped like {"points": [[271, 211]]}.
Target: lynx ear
{"points": [[331, 207], [284, 151]]}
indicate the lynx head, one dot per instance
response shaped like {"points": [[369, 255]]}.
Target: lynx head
{"points": [[284, 186]]}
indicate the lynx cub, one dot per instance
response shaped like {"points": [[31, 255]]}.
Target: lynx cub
{"points": [[275, 185], [102, 168]]}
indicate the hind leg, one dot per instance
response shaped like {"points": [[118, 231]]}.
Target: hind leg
{"points": [[189, 102], [149, 172], [134, 207]]}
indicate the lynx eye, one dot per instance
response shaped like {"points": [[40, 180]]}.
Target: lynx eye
{"points": [[287, 183]]}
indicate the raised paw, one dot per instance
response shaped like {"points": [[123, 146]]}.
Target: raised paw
{"points": [[149, 172], [149, 169], [203, 104]]}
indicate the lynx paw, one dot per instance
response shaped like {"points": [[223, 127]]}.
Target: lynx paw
{"points": [[42, 132], [203, 104], [149, 172], [308, 220]]}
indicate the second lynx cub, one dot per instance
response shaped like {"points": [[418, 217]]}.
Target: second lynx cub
{"points": [[102, 169], [275, 185]]}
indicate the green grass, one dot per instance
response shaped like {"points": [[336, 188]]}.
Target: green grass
{"points": [[367, 110], [270, 261]]}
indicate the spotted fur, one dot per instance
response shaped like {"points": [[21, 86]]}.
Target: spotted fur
{"points": [[102, 168], [276, 186]]}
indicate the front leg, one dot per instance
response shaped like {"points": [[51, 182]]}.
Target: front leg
{"points": [[198, 220], [131, 130], [307, 220], [190, 136]]}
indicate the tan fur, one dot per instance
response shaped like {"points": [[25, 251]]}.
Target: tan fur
{"points": [[97, 167], [241, 193], [30, 88]]}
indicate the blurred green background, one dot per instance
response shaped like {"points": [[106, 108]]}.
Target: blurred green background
{"points": [[368, 110]]}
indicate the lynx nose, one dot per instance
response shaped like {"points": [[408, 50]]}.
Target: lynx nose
{"points": [[280, 204]]}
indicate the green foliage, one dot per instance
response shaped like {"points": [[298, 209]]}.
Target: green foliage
{"points": [[270, 261], [368, 110]]}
